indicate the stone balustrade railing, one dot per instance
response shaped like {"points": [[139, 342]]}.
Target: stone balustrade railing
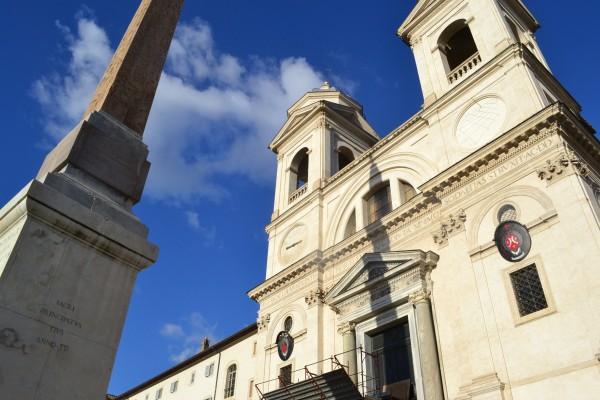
{"points": [[464, 69], [297, 194]]}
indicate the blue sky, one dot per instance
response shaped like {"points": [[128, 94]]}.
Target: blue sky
{"points": [[234, 69]]}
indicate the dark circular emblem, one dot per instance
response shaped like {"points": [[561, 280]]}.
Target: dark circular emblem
{"points": [[285, 345], [513, 241]]}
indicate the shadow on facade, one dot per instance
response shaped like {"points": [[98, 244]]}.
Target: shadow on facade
{"points": [[389, 344]]}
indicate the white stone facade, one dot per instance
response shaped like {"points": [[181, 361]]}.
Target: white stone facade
{"points": [[497, 130]]}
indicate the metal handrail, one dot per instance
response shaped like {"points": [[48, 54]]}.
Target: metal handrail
{"points": [[260, 393], [282, 383], [314, 382], [362, 378]]}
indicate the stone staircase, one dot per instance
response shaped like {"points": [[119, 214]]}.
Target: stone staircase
{"points": [[334, 385]]}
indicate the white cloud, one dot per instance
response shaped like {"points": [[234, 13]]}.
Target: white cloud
{"points": [[64, 99], [193, 219], [172, 331], [213, 115], [185, 339], [207, 234]]}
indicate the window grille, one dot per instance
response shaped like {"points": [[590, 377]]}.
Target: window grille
{"points": [[507, 213], [230, 381], [528, 290], [285, 374], [379, 204]]}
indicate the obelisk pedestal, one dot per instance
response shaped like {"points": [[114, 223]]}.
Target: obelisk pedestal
{"points": [[70, 245]]}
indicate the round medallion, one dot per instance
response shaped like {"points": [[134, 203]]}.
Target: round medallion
{"points": [[293, 244], [513, 241], [481, 122], [285, 345]]}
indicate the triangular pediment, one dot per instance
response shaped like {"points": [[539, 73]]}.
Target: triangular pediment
{"points": [[414, 15], [333, 111], [424, 7], [373, 268]]}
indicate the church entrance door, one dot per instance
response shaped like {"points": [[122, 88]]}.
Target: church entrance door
{"points": [[394, 363]]}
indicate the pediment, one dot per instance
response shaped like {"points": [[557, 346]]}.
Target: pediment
{"points": [[334, 111], [373, 269], [414, 15]]}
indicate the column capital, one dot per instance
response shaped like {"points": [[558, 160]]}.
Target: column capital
{"points": [[346, 327], [314, 297], [263, 321], [420, 296]]}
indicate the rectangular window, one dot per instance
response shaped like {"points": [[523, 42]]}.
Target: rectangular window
{"points": [[208, 371], [528, 290], [251, 389], [285, 375], [174, 386], [254, 348], [159, 394], [379, 204], [193, 378]]}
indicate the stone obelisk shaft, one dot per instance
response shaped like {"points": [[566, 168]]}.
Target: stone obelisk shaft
{"points": [[70, 245], [127, 89]]}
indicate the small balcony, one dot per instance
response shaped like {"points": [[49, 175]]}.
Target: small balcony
{"points": [[298, 193], [464, 69]]}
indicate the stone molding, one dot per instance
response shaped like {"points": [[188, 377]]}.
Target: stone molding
{"points": [[314, 297], [380, 291], [263, 322], [408, 272], [420, 296], [454, 224], [561, 166], [481, 385], [517, 146], [346, 327]]}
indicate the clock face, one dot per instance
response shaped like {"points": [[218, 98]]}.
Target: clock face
{"points": [[481, 123], [293, 245]]}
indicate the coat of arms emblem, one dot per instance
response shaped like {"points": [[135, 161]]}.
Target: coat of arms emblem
{"points": [[513, 241], [285, 345]]}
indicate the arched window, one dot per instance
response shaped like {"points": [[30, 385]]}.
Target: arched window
{"points": [[345, 157], [507, 212], [379, 203], [350, 225], [299, 169], [407, 191], [457, 44], [230, 381]]}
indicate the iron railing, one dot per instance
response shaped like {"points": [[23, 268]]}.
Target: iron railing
{"points": [[365, 378]]}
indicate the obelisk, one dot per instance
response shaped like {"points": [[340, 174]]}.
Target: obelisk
{"points": [[70, 245]]}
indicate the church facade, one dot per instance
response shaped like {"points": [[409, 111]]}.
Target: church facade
{"points": [[382, 259]]}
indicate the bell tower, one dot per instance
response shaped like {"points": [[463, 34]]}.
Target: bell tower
{"points": [[480, 67], [325, 131]]}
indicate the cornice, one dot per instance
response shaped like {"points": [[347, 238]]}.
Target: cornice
{"points": [[515, 51], [555, 119], [423, 11], [414, 122], [330, 184], [499, 150], [322, 108], [300, 268]]}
